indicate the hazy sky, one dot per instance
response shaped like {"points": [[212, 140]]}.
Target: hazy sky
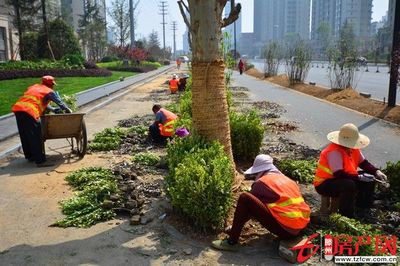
{"points": [[149, 18]]}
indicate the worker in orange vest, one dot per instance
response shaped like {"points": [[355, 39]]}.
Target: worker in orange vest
{"points": [[274, 200], [178, 63], [174, 84], [163, 126], [27, 111], [337, 172]]}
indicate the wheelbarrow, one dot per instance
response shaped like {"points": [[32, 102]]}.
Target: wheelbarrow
{"points": [[70, 126]]}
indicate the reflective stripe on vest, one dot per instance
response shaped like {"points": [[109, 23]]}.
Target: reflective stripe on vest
{"points": [[290, 209], [32, 101], [350, 163], [167, 129]]}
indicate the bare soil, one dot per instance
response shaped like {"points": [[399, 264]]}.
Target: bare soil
{"points": [[348, 98]]}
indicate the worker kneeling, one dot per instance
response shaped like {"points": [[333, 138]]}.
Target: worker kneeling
{"points": [[274, 200], [163, 126]]}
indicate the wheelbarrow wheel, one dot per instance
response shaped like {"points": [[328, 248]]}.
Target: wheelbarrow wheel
{"points": [[81, 141]]}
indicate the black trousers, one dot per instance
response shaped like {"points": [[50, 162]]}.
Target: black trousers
{"points": [[156, 135], [350, 193], [31, 137]]}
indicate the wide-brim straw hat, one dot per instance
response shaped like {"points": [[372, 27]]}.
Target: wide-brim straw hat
{"points": [[261, 163], [349, 136]]}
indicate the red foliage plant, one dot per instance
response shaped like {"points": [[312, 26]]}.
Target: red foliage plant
{"points": [[125, 52]]}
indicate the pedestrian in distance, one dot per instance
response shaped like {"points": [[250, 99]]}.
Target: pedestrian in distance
{"points": [[163, 126], [178, 63], [337, 172], [27, 111], [241, 66], [174, 84], [274, 200]]}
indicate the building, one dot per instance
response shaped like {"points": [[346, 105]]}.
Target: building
{"points": [[391, 10], [276, 19], [8, 34], [73, 10], [337, 12], [185, 38], [246, 44]]}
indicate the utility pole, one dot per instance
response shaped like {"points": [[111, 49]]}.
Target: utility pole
{"points": [[163, 10], [234, 30], [394, 66], [174, 29], [132, 20]]}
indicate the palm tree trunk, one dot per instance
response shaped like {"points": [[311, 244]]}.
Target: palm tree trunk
{"points": [[209, 102]]}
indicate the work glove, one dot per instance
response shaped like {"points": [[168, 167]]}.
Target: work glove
{"points": [[381, 176], [366, 177], [68, 111]]}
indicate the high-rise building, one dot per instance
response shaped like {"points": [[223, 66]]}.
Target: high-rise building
{"points": [[185, 38], [276, 19], [337, 12], [73, 10]]}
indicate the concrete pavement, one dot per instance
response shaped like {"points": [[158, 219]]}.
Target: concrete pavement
{"points": [[316, 118]]}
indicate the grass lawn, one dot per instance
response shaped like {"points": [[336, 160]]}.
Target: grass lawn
{"points": [[11, 90]]}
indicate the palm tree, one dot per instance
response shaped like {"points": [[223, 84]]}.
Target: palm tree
{"points": [[209, 102]]}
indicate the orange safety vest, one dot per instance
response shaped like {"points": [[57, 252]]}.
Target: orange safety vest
{"points": [[167, 129], [173, 85], [32, 101], [350, 163], [290, 210]]}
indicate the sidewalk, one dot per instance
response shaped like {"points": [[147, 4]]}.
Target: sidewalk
{"points": [[316, 118], [9, 139]]}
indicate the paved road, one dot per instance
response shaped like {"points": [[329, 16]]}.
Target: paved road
{"points": [[316, 118], [377, 84]]}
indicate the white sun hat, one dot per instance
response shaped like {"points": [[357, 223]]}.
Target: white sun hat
{"points": [[261, 163], [349, 136]]}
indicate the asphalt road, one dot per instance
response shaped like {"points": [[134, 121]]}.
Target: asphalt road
{"points": [[316, 118], [377, 84]]}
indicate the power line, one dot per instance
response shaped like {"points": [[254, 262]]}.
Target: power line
{"points": [[163, 11]]}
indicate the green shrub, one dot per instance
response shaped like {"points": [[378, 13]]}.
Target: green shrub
{"points": [[108, 139], [153, 64], [29, 46], [392, 171], [300, 170], [200, 180], [74, 60], [94, 185], [246, 135], [147, 159]]}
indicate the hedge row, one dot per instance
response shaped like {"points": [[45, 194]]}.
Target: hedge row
{"points": [[141, 69], [15, 74]]}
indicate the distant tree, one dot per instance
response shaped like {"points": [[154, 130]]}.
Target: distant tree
{"points": [[344, 59], [62, 39], [92, 31], [273, 54], [153, 46], [24, 13], [298, 59], [324, 36], [119, 13]]}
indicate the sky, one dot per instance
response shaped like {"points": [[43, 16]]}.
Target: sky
{"points": [[149, 18]]}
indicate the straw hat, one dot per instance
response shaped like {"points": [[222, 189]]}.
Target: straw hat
{"points": [[348, 136], [262, 163]]}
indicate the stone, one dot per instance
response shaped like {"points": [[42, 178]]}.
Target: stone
{"points": [[135, 220], [187, 251], [145, 220], [172, 251], [286, 252], [132, 204]]}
